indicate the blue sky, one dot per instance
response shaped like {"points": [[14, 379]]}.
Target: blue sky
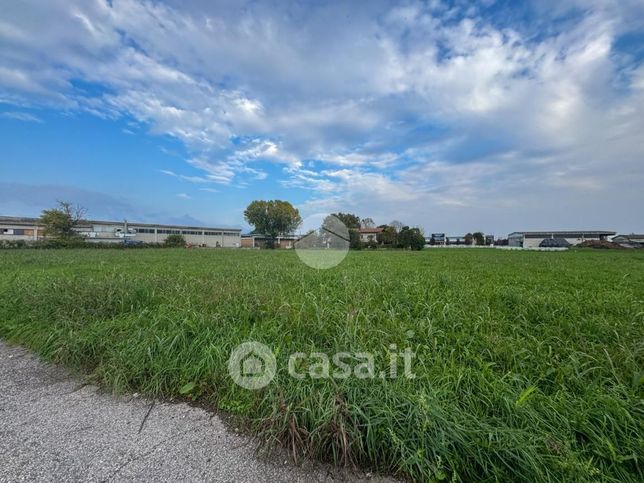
{"points": [[452, 116]]}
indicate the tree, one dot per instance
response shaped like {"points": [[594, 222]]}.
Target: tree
{"points": [[367, 223], [468, 239], [175, 240], [411, 238], [479, 238], [351, 221], [272, 218], [354, 240], [396, 225], [388, 237], [59, 223]]}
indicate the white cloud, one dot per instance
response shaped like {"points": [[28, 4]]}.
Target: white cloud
{"points": [[415, 105], [21, 116]]}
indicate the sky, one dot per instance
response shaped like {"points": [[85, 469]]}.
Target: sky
{"points": [[495, 116]]}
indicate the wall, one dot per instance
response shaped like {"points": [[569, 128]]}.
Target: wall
{"points": [[534, 242], [29, 232], [106, 233]]}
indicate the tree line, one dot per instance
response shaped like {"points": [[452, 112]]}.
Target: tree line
{"points": [[270, 218], [274, 218]]}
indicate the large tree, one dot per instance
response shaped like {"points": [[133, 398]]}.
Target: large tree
{"points": [[367, 223], [411, 238], [60, 222], [388, 237], [396, 225], [351, 221], [272, 218], [479, 238]]}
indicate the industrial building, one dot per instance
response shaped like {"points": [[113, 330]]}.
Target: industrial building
{"points": [[15, 228], [534, 239], [254, 240], [630, 241]]}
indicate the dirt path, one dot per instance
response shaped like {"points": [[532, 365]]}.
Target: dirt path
{"points": [[54, 428]]}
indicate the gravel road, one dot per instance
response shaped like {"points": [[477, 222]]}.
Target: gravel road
{"points": [[53, 427]]}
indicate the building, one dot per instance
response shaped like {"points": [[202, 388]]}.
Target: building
{"points": [[533, 239], [632, 240], [455, 240], [437, 239], [441, 239], [554, 243], [14, 228], [255, 240], [368, 235]]}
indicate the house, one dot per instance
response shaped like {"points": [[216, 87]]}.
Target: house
{"points": [[533, 239], [368, 235], [455, 240]]}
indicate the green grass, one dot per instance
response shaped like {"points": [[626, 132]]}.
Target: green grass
{"points": [[529, 365]]}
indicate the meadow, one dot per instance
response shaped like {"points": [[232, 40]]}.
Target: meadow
{"points": [[529, 366]]}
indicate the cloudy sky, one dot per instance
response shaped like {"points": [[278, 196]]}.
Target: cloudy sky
{"points": [[453, 116]]}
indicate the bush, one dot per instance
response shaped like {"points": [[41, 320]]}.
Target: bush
{"points": [[13, 244], [354, 240], [175, 241], [53, 243], [411, 238]]}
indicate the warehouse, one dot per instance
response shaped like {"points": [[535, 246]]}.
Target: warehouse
{"points": [[15, 228], [533, 239], [254, 240]]}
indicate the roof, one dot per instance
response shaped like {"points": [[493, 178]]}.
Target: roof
{"points": [[377, 229], [632, 236], [17, 220], [562, 233]]}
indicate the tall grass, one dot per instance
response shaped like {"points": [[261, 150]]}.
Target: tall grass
{"points": [[529, 366]]}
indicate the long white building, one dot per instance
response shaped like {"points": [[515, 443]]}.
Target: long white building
{"points": [[532, 239], [16, 228]]}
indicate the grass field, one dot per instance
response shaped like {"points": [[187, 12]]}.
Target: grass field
{"points": [[529, 366]]}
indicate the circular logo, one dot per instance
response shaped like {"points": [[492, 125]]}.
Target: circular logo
{"points": [[252, 365], [326, 242]]}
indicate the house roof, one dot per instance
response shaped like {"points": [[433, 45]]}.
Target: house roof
{"points": [[370, 230]]}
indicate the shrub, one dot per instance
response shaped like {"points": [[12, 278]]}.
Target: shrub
{"points": [[175, 240]]}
